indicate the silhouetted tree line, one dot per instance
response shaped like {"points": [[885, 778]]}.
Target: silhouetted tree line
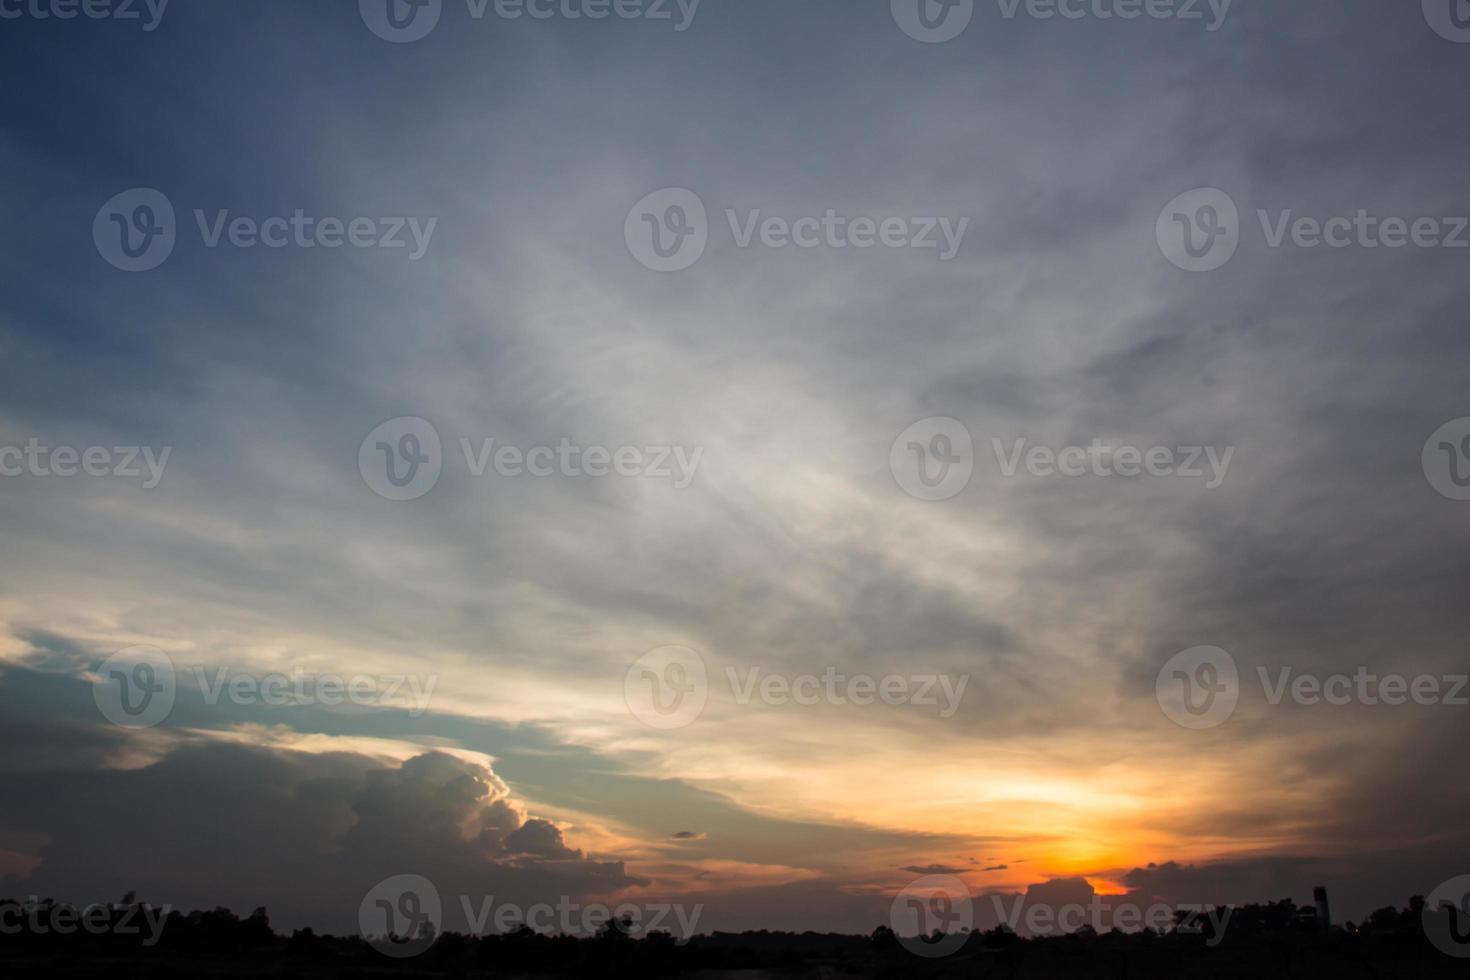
{"points": [[1272, 939]]}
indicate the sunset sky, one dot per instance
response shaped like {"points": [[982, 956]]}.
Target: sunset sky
{"points": [[520, 603]]}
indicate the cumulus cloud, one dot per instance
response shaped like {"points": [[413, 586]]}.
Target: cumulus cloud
{"points": [[305, 835]]}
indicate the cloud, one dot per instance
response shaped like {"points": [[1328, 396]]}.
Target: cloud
{"points": [[1059, 323], [933, 869], [541, 839], [306, 835], [1357, 883]]}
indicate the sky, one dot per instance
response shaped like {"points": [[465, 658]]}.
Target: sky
{"points": [[736, 463]]}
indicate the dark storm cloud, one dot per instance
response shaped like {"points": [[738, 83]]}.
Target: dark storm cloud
{"points": [[57, 730], [305, 835]]}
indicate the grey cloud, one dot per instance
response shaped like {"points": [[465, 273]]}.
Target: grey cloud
{"points": [[1059, 321], [304, 835], [932, 869]]}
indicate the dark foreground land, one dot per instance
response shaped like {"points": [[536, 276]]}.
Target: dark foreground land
{"points": [[1391, 945]]}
